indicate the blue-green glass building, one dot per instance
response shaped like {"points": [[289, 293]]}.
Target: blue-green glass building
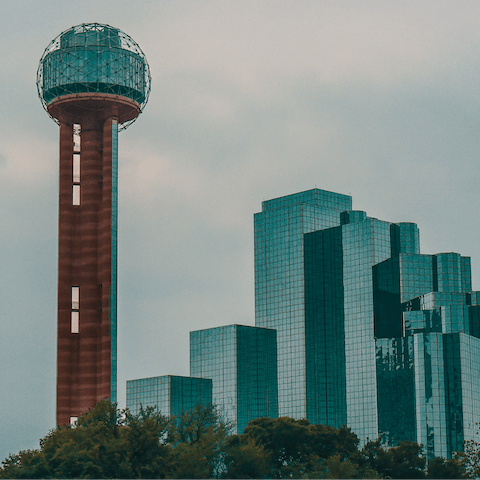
{"points": [[371, 334], [171, 394], [242, 363], [279, 282], [339, 317], [339, 325], [427, 351]]}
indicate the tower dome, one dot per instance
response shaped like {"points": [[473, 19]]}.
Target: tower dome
{"points": [[93, 66]]}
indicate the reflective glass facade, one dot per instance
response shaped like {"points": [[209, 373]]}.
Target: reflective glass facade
{"points": [[429, 390], [172, 395], [339, 318], [371, 333], [94, 58], [242, 363], [429, 373], [279, 281]]}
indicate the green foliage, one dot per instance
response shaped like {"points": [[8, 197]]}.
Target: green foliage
{"points": [[287, 448], [105, 443], [198, 438], [470, 459], [146, 455], [109, 443], [403, 461], [25, 464], [440, 468], [287, 441], [245, 459]]}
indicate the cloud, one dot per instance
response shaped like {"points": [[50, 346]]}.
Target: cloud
{"points": [[31, 162], [337, 41]]}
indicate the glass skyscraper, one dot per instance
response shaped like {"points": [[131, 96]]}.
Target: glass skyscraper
{"points": [[371, 333], [279, 282], [427, 351], [340, 326], [242, 363], [339, 318], [172, 395]]}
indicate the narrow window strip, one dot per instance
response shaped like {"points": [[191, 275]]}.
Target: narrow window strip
{"points": [[75, 298], [76, 137], [76, 195], [75, 323], [76, 168]]}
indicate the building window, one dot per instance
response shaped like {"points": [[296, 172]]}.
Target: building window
{"points": [[76, 168], [75, 323], [76, 137], [75, 298], [76, 195], [73, 421]]}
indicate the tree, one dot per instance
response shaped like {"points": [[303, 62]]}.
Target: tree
{"points": [[402, 461], [147, 454], [198, 440], [292, 448], [109, 443], [25, 464], [104, 443], [452, 468], [471, 458], [245, 459]]}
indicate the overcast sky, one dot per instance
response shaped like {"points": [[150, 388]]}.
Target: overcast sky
{"points": [[251, 100]]}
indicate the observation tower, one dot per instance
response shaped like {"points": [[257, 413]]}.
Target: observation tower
{"points": [[93, 80]]}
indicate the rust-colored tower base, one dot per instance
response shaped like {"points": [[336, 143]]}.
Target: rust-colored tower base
{"points": [[86, 355]]}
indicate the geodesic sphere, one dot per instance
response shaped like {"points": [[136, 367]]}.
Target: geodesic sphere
{"points": [[93, 58]]}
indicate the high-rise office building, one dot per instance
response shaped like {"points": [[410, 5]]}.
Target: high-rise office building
{"points": [[341, 259], [339, 317], [279, 282], [242, 363], [171, 394], [93, 80], [384, 338], [427, 351]]}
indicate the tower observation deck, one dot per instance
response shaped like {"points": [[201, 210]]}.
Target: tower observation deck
{"points": [[94, 81]]}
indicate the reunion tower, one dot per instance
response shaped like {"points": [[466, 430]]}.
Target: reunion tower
{"points": [[93, 80]]}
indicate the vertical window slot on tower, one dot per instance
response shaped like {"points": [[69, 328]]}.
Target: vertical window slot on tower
{"points": [[76, 137], [76, 168], [76, 195], [75, 298], [75, 325]]}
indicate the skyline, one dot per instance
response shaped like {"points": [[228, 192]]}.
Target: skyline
{"points": [[249, 102]]}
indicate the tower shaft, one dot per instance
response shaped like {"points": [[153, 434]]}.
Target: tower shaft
{"points": [[87, 259]]}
